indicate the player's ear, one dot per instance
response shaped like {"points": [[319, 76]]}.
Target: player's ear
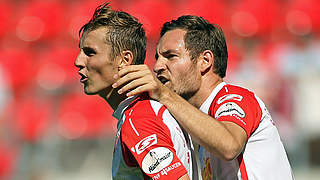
{"points": [[206, 61], [126, 58]]}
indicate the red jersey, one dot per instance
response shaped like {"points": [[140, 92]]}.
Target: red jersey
{"points": [[264, 156], [150, 143]]}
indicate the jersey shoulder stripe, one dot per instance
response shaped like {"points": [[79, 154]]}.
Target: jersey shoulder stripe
{"points": [[239, 105]]}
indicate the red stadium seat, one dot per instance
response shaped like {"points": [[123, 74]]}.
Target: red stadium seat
{"points": [[83, 116], [150, 55], [213, 10], [235, 57], [303, 16], [8, 157], [250, 17], [5, 18], [80, 12], [56, 67], [31, 117], [151, 13], [41, 20], [18, 64]]}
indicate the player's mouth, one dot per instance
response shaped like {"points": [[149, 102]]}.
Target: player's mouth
{"points": [[84, 78], [163, 79]]}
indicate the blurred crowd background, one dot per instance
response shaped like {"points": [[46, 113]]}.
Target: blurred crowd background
{"points": [[51, 130]]}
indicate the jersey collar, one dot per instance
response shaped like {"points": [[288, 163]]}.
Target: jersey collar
{"points": [[122, 107], [206, 105]]}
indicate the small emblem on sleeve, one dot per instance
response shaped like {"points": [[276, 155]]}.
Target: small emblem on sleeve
{"points": [[230, 109], [156, 160], [228, 97], [145, 143]]}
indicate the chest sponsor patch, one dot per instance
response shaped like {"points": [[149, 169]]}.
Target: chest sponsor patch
{"points": [[228, 97], [156, 160], [230, 109], [145, 143]]}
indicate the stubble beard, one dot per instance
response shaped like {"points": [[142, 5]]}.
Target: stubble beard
{"points": [[188, 89], [187, 94], [189, 84]]}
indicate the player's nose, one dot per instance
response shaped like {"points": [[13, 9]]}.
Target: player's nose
{"points": [[80, 61], [160, 65]]}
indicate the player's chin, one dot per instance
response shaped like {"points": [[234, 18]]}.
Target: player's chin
{"points": [[167, 84], [88, 91]]}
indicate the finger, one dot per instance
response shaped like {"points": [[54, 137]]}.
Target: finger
{"points": [[138, 90], [125, 70], [134, 84], [131, 68], [130, 77]]}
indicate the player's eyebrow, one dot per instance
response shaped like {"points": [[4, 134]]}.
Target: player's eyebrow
{"points": [[165, 53], [88, 48]]}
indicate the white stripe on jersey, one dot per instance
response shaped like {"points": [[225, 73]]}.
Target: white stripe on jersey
{"points": [[135, 130], [155, 106]]}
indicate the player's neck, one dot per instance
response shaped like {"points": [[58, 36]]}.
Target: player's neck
{"points": [[207, 86], [112, 97]]}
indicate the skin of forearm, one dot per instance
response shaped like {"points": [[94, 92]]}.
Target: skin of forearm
{"points": [[184, 177], [205, 130]]}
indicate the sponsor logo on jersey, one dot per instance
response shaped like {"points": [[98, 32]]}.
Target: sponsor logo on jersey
{"points": [[166, 170], [230, 109], [229, 97], [145, 143], [156, 159]]}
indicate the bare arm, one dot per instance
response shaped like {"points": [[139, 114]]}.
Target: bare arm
{"points": [[184, 177], [224, 139]]}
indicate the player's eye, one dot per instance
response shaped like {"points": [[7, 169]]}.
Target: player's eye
{"points": [[170, 56], [89, 51]]}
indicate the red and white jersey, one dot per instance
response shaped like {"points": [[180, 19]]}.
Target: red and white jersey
{"points": [[150, 143], [264, 156]]}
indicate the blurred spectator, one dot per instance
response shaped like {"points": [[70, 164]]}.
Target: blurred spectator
{"points": [[298, 62]]}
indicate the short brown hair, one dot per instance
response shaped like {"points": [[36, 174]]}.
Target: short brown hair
{"points": [[200, 36], [124, 32]]}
